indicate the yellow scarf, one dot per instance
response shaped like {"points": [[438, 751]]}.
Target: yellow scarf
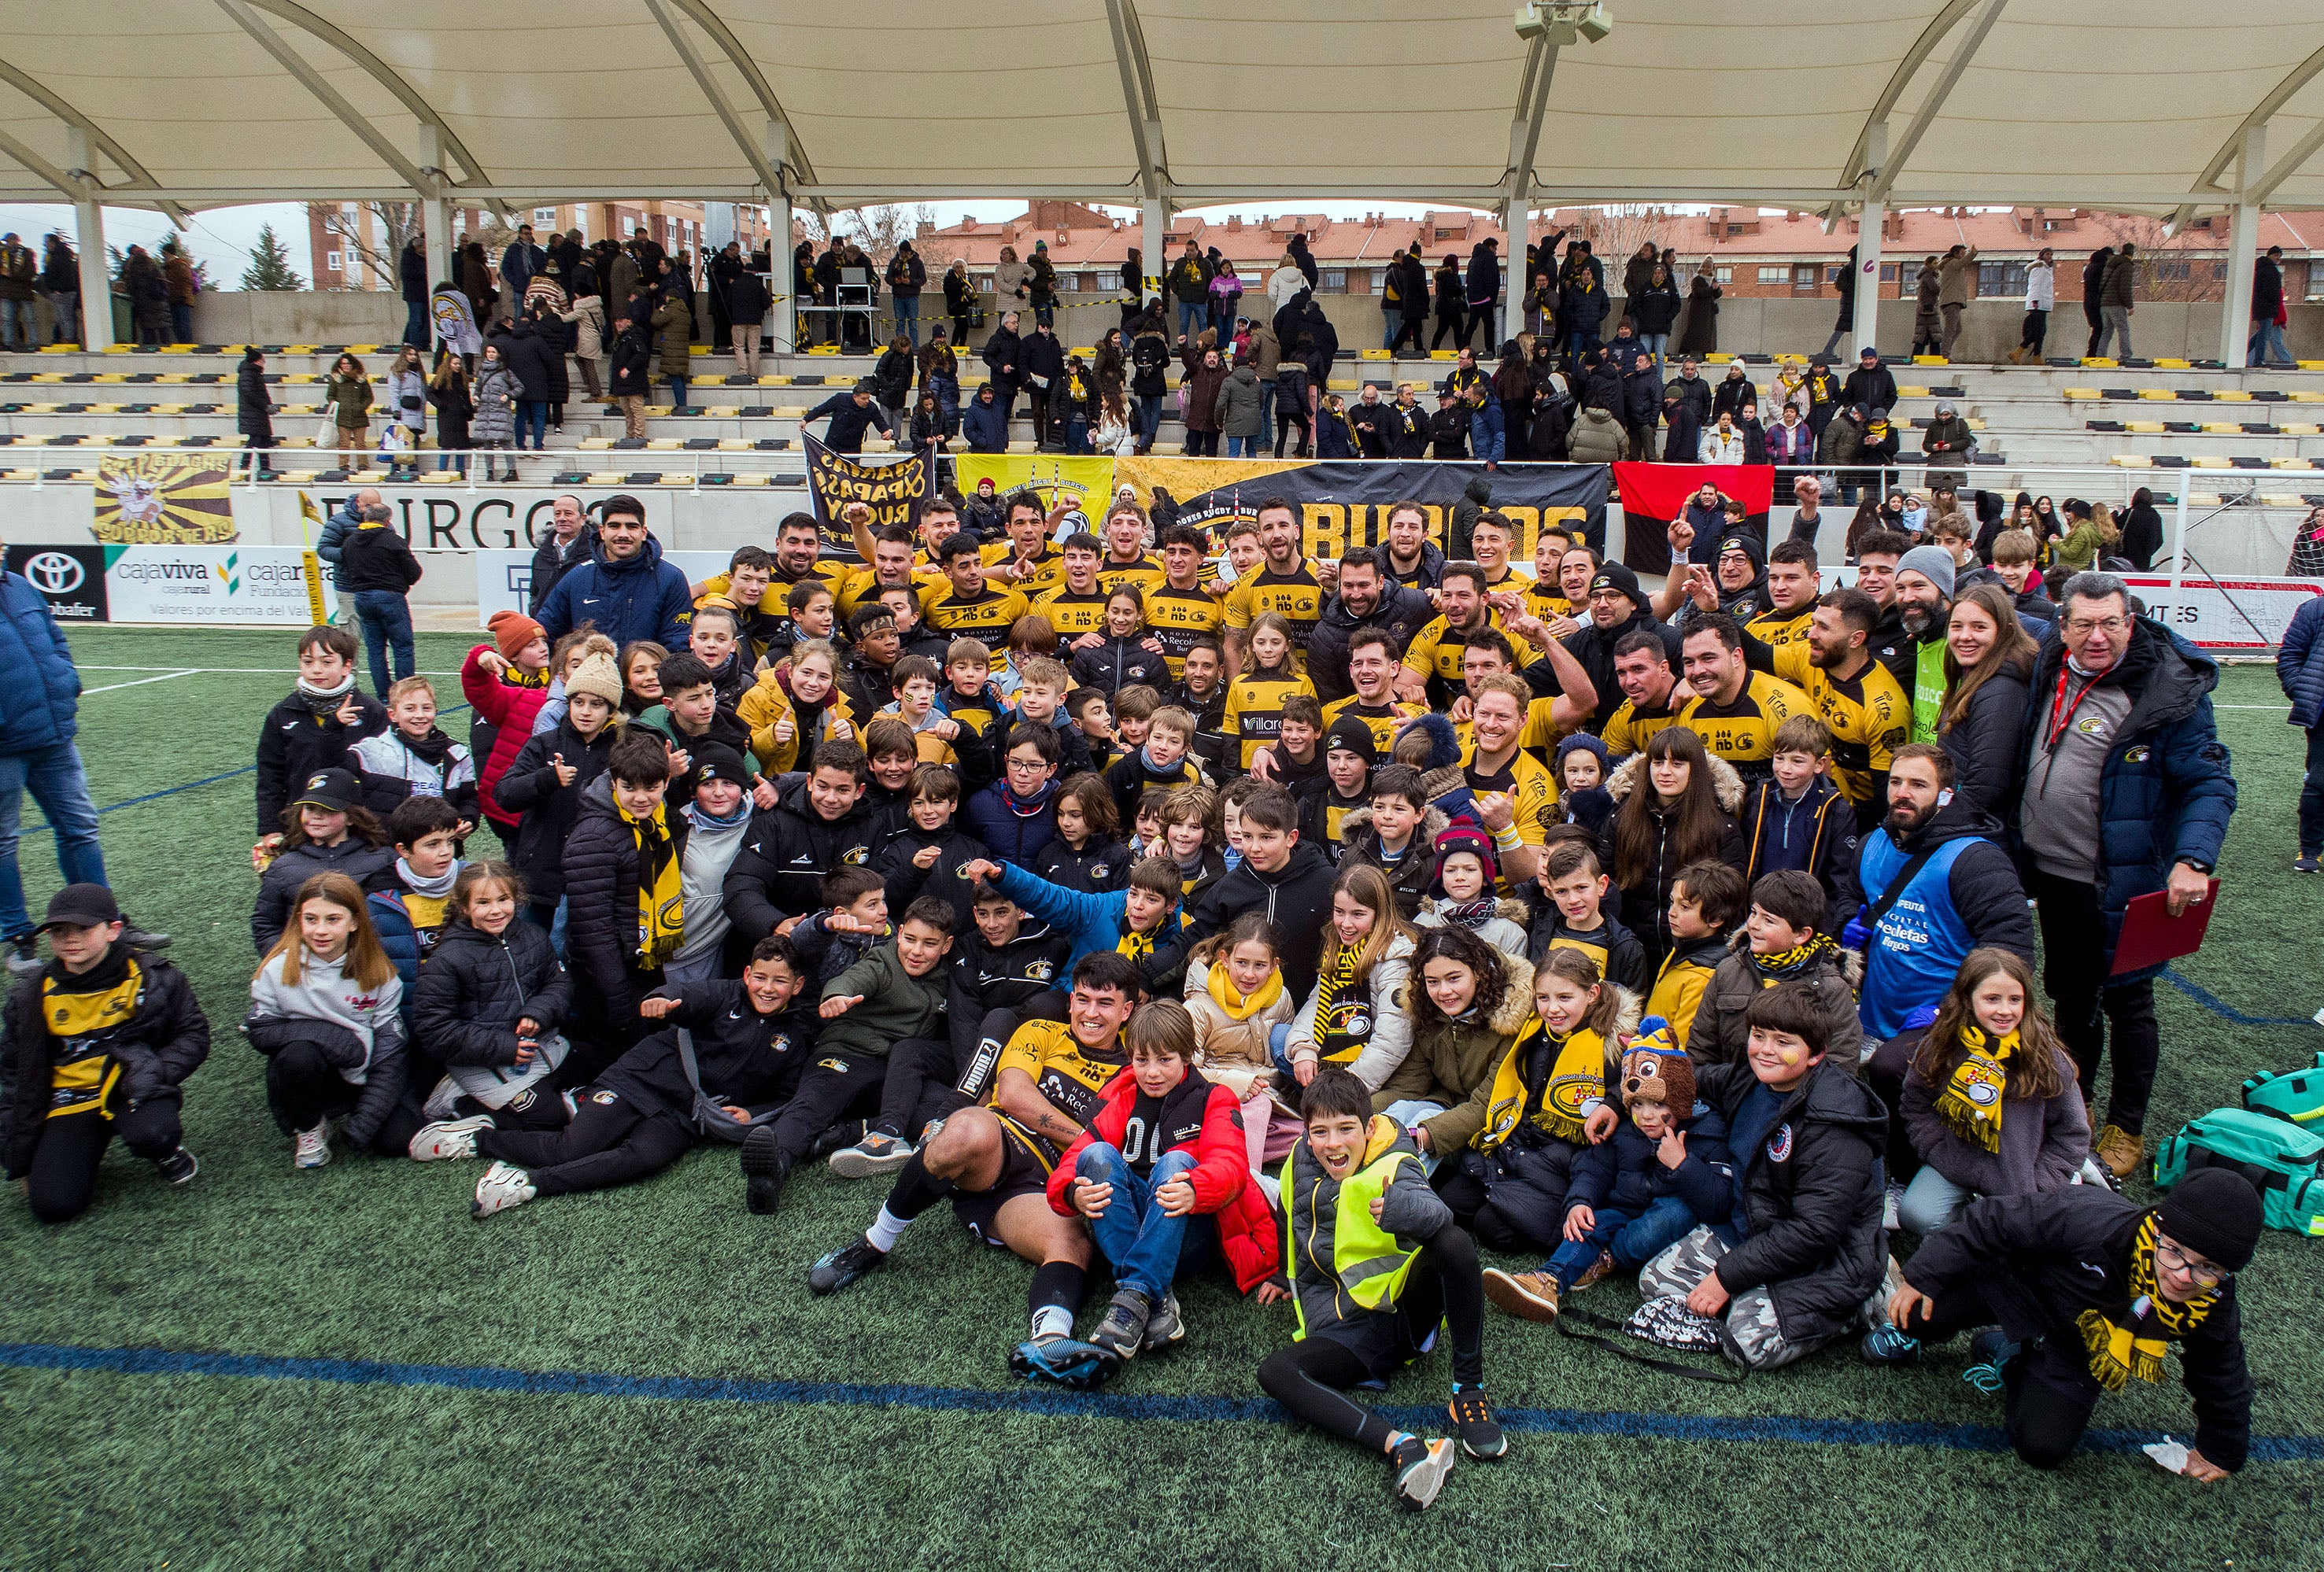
{"points": [[2121, 1349], [1576, 1085], [1970, 1104], [1242, 1006], [661, 897], [1335, 988]]}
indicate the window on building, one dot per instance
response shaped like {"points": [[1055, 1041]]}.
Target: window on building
{"points": [[1807, 277], [1725, 275], [1887, 273], [544, 214], [331, 260], [1335, 281], [2172, 270], [2000, 280], [1776, 275], [1069, 283]]}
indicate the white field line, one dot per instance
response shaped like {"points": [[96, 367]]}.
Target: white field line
{"points": [[141, 682]]}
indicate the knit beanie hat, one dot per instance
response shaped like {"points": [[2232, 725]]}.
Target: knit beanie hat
{"points": [[1932, 562], [596, 675], [715, 761], [1583, 742], [1350, 734], [2216, 1213], [1618, 576], [511, 631], [1465, 836]]}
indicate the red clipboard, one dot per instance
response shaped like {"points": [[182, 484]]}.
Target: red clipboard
{"points": [[2151, 936]]}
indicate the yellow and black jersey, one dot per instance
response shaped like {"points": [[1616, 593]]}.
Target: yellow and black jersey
{"points": [[1179, 617], [1870, 715], [1743, 733], [1254, 712], [1545, 600], [84, 1028], [1510, 582], [1295, 596], [976, 712], [863, 584], [1327, 811], [1385, 720], [1048, 570], [1628, 727], [1146, 573], [1778, 628], [1069, 1076], [1436, 650], [988, 617], [1526, 782], [1072, 613], [1538, 734]]}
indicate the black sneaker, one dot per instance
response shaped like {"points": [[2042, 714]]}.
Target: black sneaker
{"points": [[765, 1166], [1123, 1331], [24, 953], [842, 1265], [139, 938], [1421, 1467], [1164, 1325], [178, 1167], [1473, 1422], [841, 1135]]}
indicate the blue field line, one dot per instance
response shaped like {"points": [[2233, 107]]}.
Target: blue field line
{"points": [[2220, 1007], [1052, 1402]]}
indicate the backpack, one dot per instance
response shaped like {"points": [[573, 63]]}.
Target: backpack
{"points": [[2283, 1162], [2297, 1095]]}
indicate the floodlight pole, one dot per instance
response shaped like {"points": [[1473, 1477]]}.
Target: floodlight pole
{"points": [[88, 231], [1873, 216], [2242, 246]]}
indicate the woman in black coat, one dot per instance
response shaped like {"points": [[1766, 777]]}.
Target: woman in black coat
{"points": [[447, 394], [2142, 531], [254, 408], [1701, 336], [1989, 662]]}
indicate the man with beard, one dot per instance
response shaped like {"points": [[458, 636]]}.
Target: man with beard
{"points": [[1410, 559], [1366, 599], [1432, 660], [1936, 883], [1408, 428], [1617, 606], [1925, 606], [1737, 572], [1284, 583], [1651, 694], [1735, 710]]}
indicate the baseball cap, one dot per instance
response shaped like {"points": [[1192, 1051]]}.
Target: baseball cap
{"points": [[333, 790], [83, 906]]}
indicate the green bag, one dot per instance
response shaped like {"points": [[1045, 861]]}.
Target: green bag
{"points": [[2297, 1095], [2285, 1163]]}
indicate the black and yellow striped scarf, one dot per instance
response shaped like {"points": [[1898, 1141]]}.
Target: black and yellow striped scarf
{"points": [[2135, 1345], [1333, 1044], [662, 888], [1786, 964], [1971, 1103]]}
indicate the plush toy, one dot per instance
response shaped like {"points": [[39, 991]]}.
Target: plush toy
{"points": [[1655, 1069]]}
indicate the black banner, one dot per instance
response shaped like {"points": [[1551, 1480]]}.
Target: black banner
{"points": [[70, 579], [1347, 503], [889, 489]]}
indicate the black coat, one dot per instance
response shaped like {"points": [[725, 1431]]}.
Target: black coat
{"points": [[602, 874], [747, 300], [744, 1058], [1484, 275], [1982, 743], [254, 406], [453, 410], [375, 557], [157, 1048], [1400, 613], [632, 369], [848, 423], [1003, 348], [1118, 662], [278, 886], [2039, 1261], [477, 986], [1593, 646], [301, 736], [527, 351], [1297, 899], [1654, 309], [908, 881], [551, 562], [786, 852], [1811, 1192], [528, 787]]}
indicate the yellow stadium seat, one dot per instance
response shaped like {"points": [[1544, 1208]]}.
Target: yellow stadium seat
{"points": [[2099, 360], [1930, 360], [2292, 463], [595, 444], [362, 349], [2210, 461], [773, 380], [1374, 355], [2223, 428], [1908, 392], [110, 377], [2311, 365], [676, 477], [2301, 428], [663, 445], [2145, 427], [2172, 364], [2076, 394], [440, 477], [733, 445], [2305, 396], [2157, 395], [750, 479], [604, 478], [2130, 461], [2231, 396], [791, 412]]}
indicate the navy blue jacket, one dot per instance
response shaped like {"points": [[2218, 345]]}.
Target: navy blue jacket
{"points": [[2299, 664], [1012, 837], [643, 597], [37, 706], [985, 426], [2168, 789], [1623, 1174]]}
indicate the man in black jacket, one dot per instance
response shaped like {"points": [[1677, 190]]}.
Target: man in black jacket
{"points": [[411, 275], [747, 304], [2089, 1287], [622, 882], [851, 413], [1281, 877], [2266, 346], [820, 825], [1367, 598], [1044, 366], [1484, 283], [377, 568], [1869, 383], [95, 1046], [1618, 608], [1448, 429]]}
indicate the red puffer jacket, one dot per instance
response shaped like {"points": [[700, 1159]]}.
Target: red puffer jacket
{"points": [[1221, 1175], [511, 710]]}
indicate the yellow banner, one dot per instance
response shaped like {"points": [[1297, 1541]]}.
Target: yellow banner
{"points": [[1086, 482], [153, 499]]}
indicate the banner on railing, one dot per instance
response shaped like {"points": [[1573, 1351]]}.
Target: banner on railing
{"points": [[213, 586], [161, 499], [2226, 614], [835, 480], [1085, 481]]}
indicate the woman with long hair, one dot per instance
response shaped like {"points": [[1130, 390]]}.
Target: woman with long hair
{"points": [[325, 1009], [348, 393], [447, 390], [1988, 662], [1674, 805], [1866, 521]]}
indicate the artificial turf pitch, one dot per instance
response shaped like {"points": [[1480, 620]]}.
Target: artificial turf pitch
{"points": [[342, 1369]]}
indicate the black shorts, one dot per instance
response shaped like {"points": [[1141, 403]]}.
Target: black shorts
{"points": [[1021, 1173]]}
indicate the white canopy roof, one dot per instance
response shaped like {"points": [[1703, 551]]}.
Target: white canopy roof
{"points": [[2132, 104]]}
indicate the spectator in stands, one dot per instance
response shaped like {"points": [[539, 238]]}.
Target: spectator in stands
{"points": [[2136, 802], [907, 275], [673, 329], [1791, 448], [1686, 407], [1190, 286], [178, 278], [1722, 444], [253, 409], [2267, 312], [496, 394], [1870, 383], [1928, 321], [1483, 282], [61, 283], [1958, 273], [411, 275], [747, 304], [1653, 310], [1950, 440], [960, 300], [348, 393], [2116, 301], [2142, 531], [850, 413], [1003, 354], [983, 423], [519, 263], [626, 588], [2041, 296]]}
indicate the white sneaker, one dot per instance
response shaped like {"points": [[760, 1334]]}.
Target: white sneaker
{"points": [[448, 1139], [1889, 1217], [314, 1146], [503, 1185]]}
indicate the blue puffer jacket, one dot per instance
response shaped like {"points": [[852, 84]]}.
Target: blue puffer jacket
{"points": [[2167, 790], [2299, 664], [37, 706], [639, 597], [982, 426]]}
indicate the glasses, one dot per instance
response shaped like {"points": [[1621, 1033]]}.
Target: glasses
{"points": [[2170, 1255], [2077, 626], [1027, 763]]}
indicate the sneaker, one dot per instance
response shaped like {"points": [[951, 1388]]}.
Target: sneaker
{"points": [[178, 1167], [1072, 1364], [1472, 1421], [1597, 1273], [1421, 1470], [846, 1132], [1889, 1345], [1121, 1333], [1991, 1345], [144, 938], [1530, 1296], [2122, 1152], [844, 1266], [765, 1166], [503, 1185], [23, 955], [877, 1153], [2307, 862], [1164, 1325], [314, 1147], [1892, 1207], [447, 1139]]}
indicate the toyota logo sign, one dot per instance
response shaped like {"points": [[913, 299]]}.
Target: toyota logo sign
{"points": [[53, 573]]}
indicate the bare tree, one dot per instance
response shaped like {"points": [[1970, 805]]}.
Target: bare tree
{"points": [[1616, 232], [2180, 267], [379, 242], [876, 228]]}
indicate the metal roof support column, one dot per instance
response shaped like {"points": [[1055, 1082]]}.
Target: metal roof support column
{"points": [[782, 315], [1517, 222], [436, 209], [1154, 244], [2242, 244], [1874, 215], [89, 235], [1525, 144]]}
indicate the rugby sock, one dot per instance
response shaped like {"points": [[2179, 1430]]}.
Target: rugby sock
{"points": [[916, 1190], [1052, 1320], [1403, 1449], [1057, 1286], [885, 1229]]}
